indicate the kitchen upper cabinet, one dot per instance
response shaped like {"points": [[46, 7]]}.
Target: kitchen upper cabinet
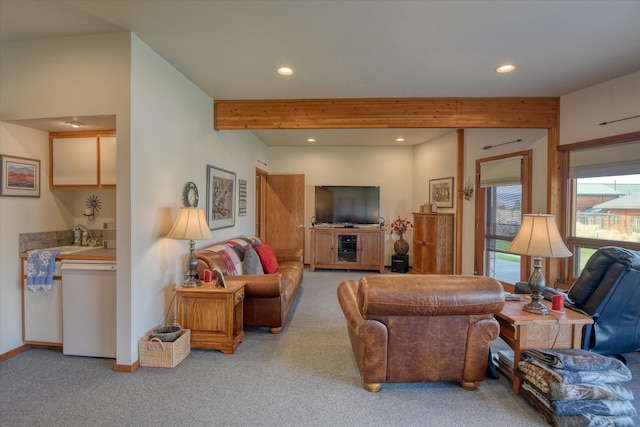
{"points": [[82, 160]]}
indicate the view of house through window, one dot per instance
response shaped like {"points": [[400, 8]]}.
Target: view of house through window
{"points": [[606, 210], [503, 215]]}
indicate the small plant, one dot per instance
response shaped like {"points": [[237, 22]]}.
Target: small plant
{"points": [[400, 226]]}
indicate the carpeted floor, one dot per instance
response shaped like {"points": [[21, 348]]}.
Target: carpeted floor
{"points": [[305, 376]]}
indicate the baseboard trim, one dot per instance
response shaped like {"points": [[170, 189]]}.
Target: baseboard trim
{"points": [[16, 351], [127, 368]]}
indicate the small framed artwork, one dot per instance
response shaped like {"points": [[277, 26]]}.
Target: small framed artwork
{"points": [[221, 184], [441, 192], [242, 197], [20, 177], [220, 282]]}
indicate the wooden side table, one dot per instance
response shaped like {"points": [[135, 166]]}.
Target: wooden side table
{"points": [[214, 315], [522, 330]]}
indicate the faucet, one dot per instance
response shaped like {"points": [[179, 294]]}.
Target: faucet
{"points": [[83, 241]]}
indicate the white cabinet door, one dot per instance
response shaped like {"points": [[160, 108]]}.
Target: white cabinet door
{"points": [[107, 160], [84, 160], [43, 312], [74, 161]]}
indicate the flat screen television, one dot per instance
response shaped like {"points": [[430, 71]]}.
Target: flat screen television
{"points": [[348, 204]]}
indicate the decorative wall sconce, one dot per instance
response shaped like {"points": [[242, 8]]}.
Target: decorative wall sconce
{"points": [[93, 204], [468, 189]]}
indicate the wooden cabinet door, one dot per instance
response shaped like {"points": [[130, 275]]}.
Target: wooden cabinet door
{"points": [[324, 247], [419, 250], [432, 243], [370, 247]]}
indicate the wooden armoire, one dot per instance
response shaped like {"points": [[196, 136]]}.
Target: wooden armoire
{"points": [[432, 243]]}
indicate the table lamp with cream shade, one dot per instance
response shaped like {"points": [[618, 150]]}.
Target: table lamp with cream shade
{"points": [[191, 225], [538, 237]]}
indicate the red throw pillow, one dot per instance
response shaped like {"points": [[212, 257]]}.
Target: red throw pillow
{"points": [[267, 258]]}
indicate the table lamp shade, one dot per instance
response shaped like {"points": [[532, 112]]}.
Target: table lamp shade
{"points": [[539, 236], [190, 225]]}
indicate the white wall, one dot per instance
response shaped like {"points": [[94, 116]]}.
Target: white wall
{"points": [[582, 111], [23, 215], [434, 160], [391, 168], [438, 159], [60, 77], [475, 140], [172, 142]]}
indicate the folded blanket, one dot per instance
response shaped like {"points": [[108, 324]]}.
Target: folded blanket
{"points": [[607, 376], [542, 405], [41, 264], [573, 359], [593, 406], [552, 389]]}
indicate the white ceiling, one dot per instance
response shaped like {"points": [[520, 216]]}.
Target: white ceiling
{"points": [[360, 49]]}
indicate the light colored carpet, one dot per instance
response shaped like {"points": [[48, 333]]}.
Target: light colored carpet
{"points": [[305, 376]]}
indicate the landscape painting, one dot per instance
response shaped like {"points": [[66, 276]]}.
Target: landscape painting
{"points": [[20, 177]]}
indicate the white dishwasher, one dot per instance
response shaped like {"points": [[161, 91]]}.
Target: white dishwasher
{"points": [[89, 308]]}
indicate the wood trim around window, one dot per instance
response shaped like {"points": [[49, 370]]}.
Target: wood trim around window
{"points": [[527, 181], [567, 203]]}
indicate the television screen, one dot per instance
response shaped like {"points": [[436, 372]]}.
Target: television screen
{"points": [[347, 204]]}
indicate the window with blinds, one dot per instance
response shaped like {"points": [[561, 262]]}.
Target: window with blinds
{"points": [[501, 181]]}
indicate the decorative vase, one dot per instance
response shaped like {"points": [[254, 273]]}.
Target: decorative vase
{"points": [[401, 246]]}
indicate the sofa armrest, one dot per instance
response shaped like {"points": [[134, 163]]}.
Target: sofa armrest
{"points": [[261, 285], [368, 337], [283, 255]]}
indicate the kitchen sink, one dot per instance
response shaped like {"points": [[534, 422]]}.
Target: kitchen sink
{"points": [[71, 249]]}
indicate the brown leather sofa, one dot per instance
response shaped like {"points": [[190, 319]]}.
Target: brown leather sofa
{"points": [[267, 297], [421, 328]]}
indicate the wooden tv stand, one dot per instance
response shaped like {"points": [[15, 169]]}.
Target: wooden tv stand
{"points": [[347, 248]]}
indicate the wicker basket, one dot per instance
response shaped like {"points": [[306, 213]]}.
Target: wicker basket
{"points": [[167, 333], [156, 353]]}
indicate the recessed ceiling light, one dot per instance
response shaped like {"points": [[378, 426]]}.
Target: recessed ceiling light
{"points": [[399, 139], [75, 124], [311, 140], [284, 71], [505, 68]]}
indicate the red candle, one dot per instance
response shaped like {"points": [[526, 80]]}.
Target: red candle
{"points": [[208, 276], [557, 303]]}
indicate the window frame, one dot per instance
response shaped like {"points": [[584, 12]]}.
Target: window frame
{"points": [[567, 203], [527, 180]]}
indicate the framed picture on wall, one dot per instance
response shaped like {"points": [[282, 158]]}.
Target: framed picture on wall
{"points": [[20, 177], [221, 184], [441, 192]]}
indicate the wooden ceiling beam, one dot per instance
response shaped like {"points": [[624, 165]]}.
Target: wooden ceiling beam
{"points": [[528, 113]]}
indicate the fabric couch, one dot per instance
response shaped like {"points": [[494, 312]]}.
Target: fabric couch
{"points": [[272, 281], [421, 328]]}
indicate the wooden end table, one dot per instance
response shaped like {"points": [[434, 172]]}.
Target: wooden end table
{"points": [[214, 315], [522, 330]]}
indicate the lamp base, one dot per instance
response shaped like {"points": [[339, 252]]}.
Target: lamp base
{"points": [[536, 286], [191, 282], [535, 306]]}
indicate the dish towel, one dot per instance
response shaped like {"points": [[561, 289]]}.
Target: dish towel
{"points": [[41, 263]]}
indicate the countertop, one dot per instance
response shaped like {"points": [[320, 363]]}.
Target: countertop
{"points": [[89, 254]]}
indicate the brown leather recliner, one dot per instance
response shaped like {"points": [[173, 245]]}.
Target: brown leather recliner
{"points": [[421, 328]]}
